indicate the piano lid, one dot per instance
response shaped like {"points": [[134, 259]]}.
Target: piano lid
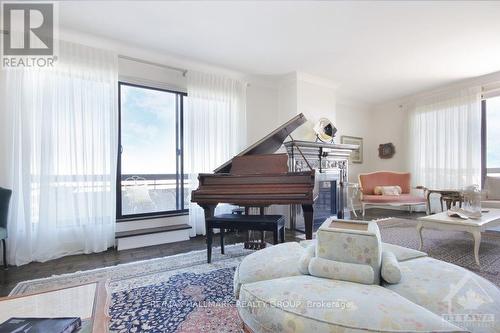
{"points": [[270, 143]]}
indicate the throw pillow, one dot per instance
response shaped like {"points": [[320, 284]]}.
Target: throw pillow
{"points": [[344, 271], [387, 190], [304, 260], [391, 272]]}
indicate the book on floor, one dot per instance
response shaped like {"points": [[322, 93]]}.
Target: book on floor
{"points": [[41, 325]]}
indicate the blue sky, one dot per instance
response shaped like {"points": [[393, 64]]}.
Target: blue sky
{"points": [[148, 130], [493, 133]]}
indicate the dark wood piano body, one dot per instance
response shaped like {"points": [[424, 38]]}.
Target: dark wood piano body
{"points": [[257, 178]]}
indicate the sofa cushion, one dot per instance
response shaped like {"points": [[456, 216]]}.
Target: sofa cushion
{"points": [[451, 291], [399, 199], [269, 263], [402, 253], [490, 204], [311, 304], [368, 181], [492, 188]]}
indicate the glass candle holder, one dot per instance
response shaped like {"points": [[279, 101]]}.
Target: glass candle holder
{"points": [[471, 196]]}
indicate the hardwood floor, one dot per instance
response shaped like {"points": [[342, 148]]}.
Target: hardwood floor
{"points": [[10, 277]]}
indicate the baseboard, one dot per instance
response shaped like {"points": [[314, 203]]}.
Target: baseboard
{"points": [[152, 239]]}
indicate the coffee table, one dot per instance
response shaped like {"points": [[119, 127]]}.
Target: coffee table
{"points": [[88, 301], [442, 221]]}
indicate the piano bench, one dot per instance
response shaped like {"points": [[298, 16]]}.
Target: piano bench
{"points": [[273, 223]]}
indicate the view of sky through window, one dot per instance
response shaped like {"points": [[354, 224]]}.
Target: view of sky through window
{"points": [[493, 132], [148, 131]]}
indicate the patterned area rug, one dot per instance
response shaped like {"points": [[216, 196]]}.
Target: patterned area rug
{"points": [[451, 246], [180, 293], [185, 294]]}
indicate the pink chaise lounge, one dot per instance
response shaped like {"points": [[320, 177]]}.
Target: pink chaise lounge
{"points": [[368, 182]]}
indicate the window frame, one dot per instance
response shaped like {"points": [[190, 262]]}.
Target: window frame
{"points": [[484, 144], [179, 139]]}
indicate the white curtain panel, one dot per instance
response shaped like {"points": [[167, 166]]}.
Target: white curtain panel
{"points": [[61, 133], [445, 140], [214, 130]]}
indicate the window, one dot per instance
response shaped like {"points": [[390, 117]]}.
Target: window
{"points": [[150, 178], [491, 137]]}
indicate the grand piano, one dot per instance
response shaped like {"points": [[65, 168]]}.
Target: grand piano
{"points": [[257, 177]]}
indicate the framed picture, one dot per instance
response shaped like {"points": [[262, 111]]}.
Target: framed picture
{"points": [[386, 150], [356, 155]]}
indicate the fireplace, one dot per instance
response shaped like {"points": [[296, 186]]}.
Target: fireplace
{"points": [[330, 161], [328, 202]]}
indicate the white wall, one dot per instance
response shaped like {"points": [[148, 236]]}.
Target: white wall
{"points": [[316, 99], [389, 124], [262, 107], [354, 118], [287, 97], [303, 93]]}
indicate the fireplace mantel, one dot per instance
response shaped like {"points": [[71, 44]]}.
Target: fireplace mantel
{"points": [[331, 162]]}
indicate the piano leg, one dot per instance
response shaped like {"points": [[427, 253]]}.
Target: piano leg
{"points": [[222, 240], [210, 235], [308, 212], [209, 212]]}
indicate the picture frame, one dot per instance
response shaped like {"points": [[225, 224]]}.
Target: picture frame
{"points": [[386, 150], [356, 155]]}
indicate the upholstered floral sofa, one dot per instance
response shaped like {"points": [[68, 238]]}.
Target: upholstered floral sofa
{"points": [[278, 292]]}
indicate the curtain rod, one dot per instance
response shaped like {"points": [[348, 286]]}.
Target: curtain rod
{"points": [[178, 69]]}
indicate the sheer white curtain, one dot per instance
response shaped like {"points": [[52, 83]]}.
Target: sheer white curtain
{"points": [[214, 130], [61, 133], [445, 139]]}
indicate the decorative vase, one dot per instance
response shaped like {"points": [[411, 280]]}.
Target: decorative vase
{"points": [[472, 199]]}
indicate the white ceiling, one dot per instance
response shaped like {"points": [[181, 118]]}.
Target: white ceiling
{"points": [[376, 50]]}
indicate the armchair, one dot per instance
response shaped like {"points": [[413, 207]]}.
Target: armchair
{"points": [[368, 182], [5, 195]]}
